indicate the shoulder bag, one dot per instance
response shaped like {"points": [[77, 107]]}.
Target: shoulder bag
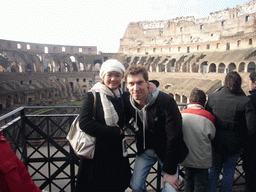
{"points": [[82, 143]]}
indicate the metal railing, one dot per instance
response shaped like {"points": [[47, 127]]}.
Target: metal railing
{"points": [[37, 135]]}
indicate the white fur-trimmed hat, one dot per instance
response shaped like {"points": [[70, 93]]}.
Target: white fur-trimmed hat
{"points": [[111, 65]]}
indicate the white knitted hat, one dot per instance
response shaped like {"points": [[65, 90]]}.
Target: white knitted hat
{"points": [[111, 65]]}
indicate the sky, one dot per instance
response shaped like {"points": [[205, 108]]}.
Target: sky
{"points": [[100, 23]]}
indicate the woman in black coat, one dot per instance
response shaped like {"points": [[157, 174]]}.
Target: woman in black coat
{"points": [[109, 170], [235, 119]]}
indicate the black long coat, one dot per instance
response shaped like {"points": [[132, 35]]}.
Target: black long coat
{"points": [[235, 119], [109, 170]]}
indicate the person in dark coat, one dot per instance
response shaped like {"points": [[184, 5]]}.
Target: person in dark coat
{"points": [[109, 170], [249, 154], [235, 119]]}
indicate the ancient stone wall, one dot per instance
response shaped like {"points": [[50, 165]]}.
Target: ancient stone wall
{"points": [[45, 48], [230, 28], [29, 75], [182, 51]]}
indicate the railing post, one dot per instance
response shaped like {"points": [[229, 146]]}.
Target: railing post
{"points": [[159, 177], [23, 138]]}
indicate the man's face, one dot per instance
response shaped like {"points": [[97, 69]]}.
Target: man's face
{"points": [[252, 85], [138, 87]]}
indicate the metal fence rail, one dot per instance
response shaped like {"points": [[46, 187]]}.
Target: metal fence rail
{"points": [[38, 137]]}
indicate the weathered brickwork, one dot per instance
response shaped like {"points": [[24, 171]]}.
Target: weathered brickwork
{"points": [[231, 28], [40, 74]]}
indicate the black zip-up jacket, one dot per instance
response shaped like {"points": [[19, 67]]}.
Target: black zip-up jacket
{"points": [[163, 133]]}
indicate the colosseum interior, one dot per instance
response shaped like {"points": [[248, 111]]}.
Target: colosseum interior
{"points": [[181, 53]]}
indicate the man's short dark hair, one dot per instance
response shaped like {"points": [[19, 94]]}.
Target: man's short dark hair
{"points": [[197, 95], [253, 76], [135, 70]]}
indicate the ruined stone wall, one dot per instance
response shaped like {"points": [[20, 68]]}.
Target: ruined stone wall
{"points": [[231, 27], [30, 76], [44, 88], [45, 48]]}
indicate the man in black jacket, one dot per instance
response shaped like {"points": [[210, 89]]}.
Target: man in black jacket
{"points": [[159, 135], [249, 156]]}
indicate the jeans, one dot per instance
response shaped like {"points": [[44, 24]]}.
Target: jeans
{"points": [[195, 179], [229, 165], [143, 164]]}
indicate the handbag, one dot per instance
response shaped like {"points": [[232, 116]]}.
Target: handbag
{"points": [[82, 143]]}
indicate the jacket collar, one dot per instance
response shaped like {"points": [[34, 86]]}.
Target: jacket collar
{"points": [[195, 106]]}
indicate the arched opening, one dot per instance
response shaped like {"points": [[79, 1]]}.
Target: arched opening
{"points": [[184, 99], [161, 68], [81, 66], [89, 67], [66, 67], [73, 59], [97, 61], [154, 67], [251, 67], [74, 66], [212, 68], [46, 67], [168, 67], [128, 59], [172, 63], [13, 69], [184, 68], [177, 98], [221, 68], [231, 67], [204, 67], [241, 67], [29, 68], [195, 68], [97, 67], [72, 86]]}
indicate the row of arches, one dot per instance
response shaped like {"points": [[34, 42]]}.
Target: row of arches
{"points": [[190, 63], [20, 62]]}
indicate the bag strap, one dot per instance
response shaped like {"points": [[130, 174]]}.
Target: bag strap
{"points": [[94, 105]]}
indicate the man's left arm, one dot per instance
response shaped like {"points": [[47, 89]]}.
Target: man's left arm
{"points": [[176, 148]]}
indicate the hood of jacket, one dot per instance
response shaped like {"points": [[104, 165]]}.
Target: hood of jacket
{"points": [[142, 113]]}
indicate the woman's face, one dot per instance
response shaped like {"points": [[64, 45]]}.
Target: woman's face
{"points": [[112, 79]]}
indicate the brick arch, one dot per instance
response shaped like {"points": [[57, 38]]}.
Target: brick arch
{"points": [[251, 67], [194, 68], [212, 68], [204, 67], [221, 68], [177, 98], [241, 67], [232, 67], [184, 99]]}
